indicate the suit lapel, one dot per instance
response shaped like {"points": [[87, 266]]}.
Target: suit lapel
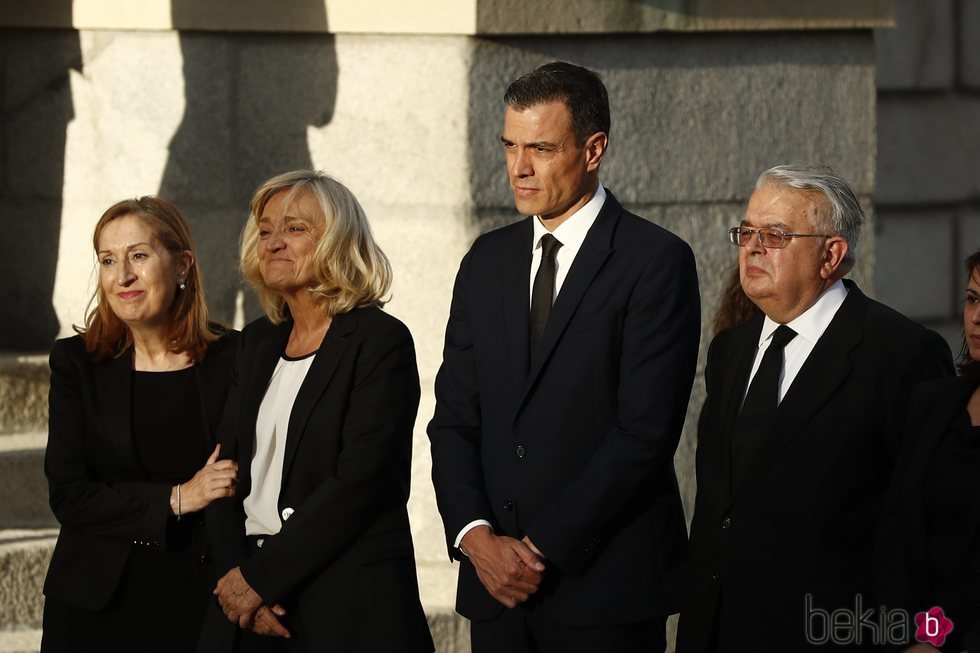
{"points": [[114, 379], [736, 377], [264, 361], [595, 249], [515, 270], [321, 371], [825, 369]]}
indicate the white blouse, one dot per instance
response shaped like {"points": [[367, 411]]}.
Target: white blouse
{"points": [[262, 504]]}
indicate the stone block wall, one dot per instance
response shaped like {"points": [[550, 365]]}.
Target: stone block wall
{"points": [[928, 196]]}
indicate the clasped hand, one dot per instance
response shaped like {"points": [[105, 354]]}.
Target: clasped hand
{"points": [[511, 570], [243, 606]]}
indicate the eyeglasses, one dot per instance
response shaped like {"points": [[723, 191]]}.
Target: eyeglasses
{"points": [[768, 238]]}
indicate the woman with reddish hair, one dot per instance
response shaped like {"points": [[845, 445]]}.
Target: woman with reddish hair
{"points": [[135, 401]]}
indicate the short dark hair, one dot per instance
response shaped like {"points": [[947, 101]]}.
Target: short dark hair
{"points": [[579, 88], [965, 363]]}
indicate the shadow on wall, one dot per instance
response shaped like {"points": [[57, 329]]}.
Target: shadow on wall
{"points": [[36, 106], [249, 99]]}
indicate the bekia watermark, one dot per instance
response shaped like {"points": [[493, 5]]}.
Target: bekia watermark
{"points": [[877, 625], [932, 626]]}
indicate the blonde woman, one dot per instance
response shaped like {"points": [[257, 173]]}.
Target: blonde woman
{"points": [[316, 543]]}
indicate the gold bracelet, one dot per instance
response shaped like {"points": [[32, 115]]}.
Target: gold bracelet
{"points": [[178, 502]]}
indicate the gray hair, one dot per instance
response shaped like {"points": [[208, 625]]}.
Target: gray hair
{"points": [[841, 214]]}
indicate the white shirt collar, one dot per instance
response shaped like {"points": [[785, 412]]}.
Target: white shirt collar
{"points": [[572, 232], [811, 324]]}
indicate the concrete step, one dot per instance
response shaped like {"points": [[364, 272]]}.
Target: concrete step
{"points": [[23, 487], [24, 381], [437, 589], [20, 641], [24, 556], [450, 632]]}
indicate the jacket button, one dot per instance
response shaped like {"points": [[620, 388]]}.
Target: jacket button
{"points": [[287, 513], [716, 577], [521, 451], [508, 505], [726, 523], [204, 559]]}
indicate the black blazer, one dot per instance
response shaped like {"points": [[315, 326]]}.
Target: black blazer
{"points": [[343, 564], [904, 577], [96, 484], [573, 448], [804, 521]]}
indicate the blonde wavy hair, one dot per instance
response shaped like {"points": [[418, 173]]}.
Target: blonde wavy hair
{"points": [[350, 269]]}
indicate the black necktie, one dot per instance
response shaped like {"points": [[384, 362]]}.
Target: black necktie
{"points": [[543, 291], [758, 412]]}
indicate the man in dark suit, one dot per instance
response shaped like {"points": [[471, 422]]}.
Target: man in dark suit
{"points": [[799, 432], [569, 359]]}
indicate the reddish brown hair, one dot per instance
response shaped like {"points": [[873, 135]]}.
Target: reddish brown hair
{"points": [[105, 335], [965, 363]]}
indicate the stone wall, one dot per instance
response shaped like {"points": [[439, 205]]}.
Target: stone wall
{"points": [[928, 197]]}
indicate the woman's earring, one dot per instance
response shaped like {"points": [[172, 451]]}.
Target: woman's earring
{"points": [[182, 285]]}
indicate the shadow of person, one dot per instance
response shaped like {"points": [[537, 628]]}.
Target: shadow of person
{"points": [[37, 108], [249, 100]]}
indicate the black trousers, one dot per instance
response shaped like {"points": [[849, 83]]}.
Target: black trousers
{"points": [[520, 630]]}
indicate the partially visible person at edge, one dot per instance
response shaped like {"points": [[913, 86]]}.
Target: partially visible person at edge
{"points": [[135, 403], [316, 548], [735, 308], [930, 534], [800, 428]]}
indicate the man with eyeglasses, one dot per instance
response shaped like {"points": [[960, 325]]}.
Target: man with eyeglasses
{"points": [[799, 431]]}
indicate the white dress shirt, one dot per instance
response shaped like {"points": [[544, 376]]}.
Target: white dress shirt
{"points": [[809, 326], [571, 234], [262, 503]]}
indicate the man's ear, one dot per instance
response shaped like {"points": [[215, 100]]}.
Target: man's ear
{"points": [[595, 149], [835, 251]]}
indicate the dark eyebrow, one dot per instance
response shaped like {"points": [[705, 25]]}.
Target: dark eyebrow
{"points": [[544, 145]]}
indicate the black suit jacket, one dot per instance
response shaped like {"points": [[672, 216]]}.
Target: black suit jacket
{"points": [[573, 448], [345, 548], [905, 577], [804, 521], [97, 486]]}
